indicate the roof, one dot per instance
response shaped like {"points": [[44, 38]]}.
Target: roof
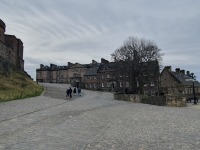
{"points": [[91, 71], [182, 78]]}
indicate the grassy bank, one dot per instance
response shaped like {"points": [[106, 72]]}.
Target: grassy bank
{"points": [[18, 86]]}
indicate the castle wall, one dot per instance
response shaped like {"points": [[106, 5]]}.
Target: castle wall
{"points": [[11, 41], [11, 48], [2, 35], [7, 53]]}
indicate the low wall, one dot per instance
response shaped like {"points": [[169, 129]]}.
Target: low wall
{"points": [[177, 101], [154, 100], [174, 101], [127, 97]]}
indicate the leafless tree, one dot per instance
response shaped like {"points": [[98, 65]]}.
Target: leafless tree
{"points": [[131, 57]]}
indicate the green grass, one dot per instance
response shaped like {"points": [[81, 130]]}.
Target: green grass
{"points": [[18, 86]]}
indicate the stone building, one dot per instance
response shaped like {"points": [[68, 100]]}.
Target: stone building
{"points": [[178, 82], [106, 80], [72, 73], [90, 79], [52, 74], [150, 77], [96, 76], [11, 48], [76, 74]]}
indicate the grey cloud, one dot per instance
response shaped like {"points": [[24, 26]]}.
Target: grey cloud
{"points": [[74, 30]]}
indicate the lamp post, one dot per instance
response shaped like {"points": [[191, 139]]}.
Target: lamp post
{"points": [[193, 89], [195, 100]]}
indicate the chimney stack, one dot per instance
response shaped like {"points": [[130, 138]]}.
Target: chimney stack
{"points": [[183, 72], [178, 70]]}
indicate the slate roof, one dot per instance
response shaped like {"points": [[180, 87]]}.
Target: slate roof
{"points": [[91, 71], [183, 79]]}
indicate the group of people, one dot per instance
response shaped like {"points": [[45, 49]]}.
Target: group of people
{"points": [[75, 90]]}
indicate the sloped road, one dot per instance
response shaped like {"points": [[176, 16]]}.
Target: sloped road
{"points": [[95, 121]]}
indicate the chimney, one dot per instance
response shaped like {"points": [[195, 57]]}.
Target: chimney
{"points": [[188, 73], [192, 75], [94, 62], [69, 64], [41, 66], [169, 68], [178, 70], [104, 61], [183, 72]]}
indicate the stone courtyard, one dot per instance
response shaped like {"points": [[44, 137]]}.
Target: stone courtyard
{"points": [[95, 121]]}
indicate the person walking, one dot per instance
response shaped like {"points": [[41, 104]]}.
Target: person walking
{"points": [[67, 93], [74, 91], [79, 91], [70, 92]]}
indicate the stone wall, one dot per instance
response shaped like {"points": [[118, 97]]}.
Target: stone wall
{"points": [[11, 48], [6, 53], [154, 100], [177, 101], [127, 97], [174, 101]]}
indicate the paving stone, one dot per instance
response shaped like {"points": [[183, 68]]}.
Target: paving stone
{"points": [[95, 121]]}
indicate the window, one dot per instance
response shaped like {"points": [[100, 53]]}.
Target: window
{"points": [[102, 85], [152, 93], [108, 76], [120, 84], [108, 84], [152, 83], [94, 85]]}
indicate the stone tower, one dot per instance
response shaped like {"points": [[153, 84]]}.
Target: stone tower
{"points": [[2, 30], [11, 48]]}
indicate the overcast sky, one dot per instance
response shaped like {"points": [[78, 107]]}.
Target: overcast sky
{"points": [[61, 31]]}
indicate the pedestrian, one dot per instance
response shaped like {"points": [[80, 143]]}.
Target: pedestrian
{"points": [[67, 93], [79, 91], [70, 92], [74, 91], [126, 90]]}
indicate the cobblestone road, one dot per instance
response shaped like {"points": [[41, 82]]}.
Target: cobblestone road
{"points": [[95, 121]]}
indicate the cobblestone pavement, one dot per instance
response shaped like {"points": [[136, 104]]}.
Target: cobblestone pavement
{"points": [[94, 121]]}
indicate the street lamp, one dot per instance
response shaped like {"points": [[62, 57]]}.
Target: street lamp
{"points": [[193, 89]]}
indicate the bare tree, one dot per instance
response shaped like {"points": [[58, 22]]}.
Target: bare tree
{"points": [[131, 59]]}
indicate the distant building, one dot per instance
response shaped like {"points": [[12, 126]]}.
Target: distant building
{"points": [[176, 82], [11, 48], [97, 76], [105, 77], [150, 77], [72, 73], [52, 74], [90, 79]]}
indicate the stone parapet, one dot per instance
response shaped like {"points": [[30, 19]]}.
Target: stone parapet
{"points": [[176, 101], [127, 97], [169, 100]]}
